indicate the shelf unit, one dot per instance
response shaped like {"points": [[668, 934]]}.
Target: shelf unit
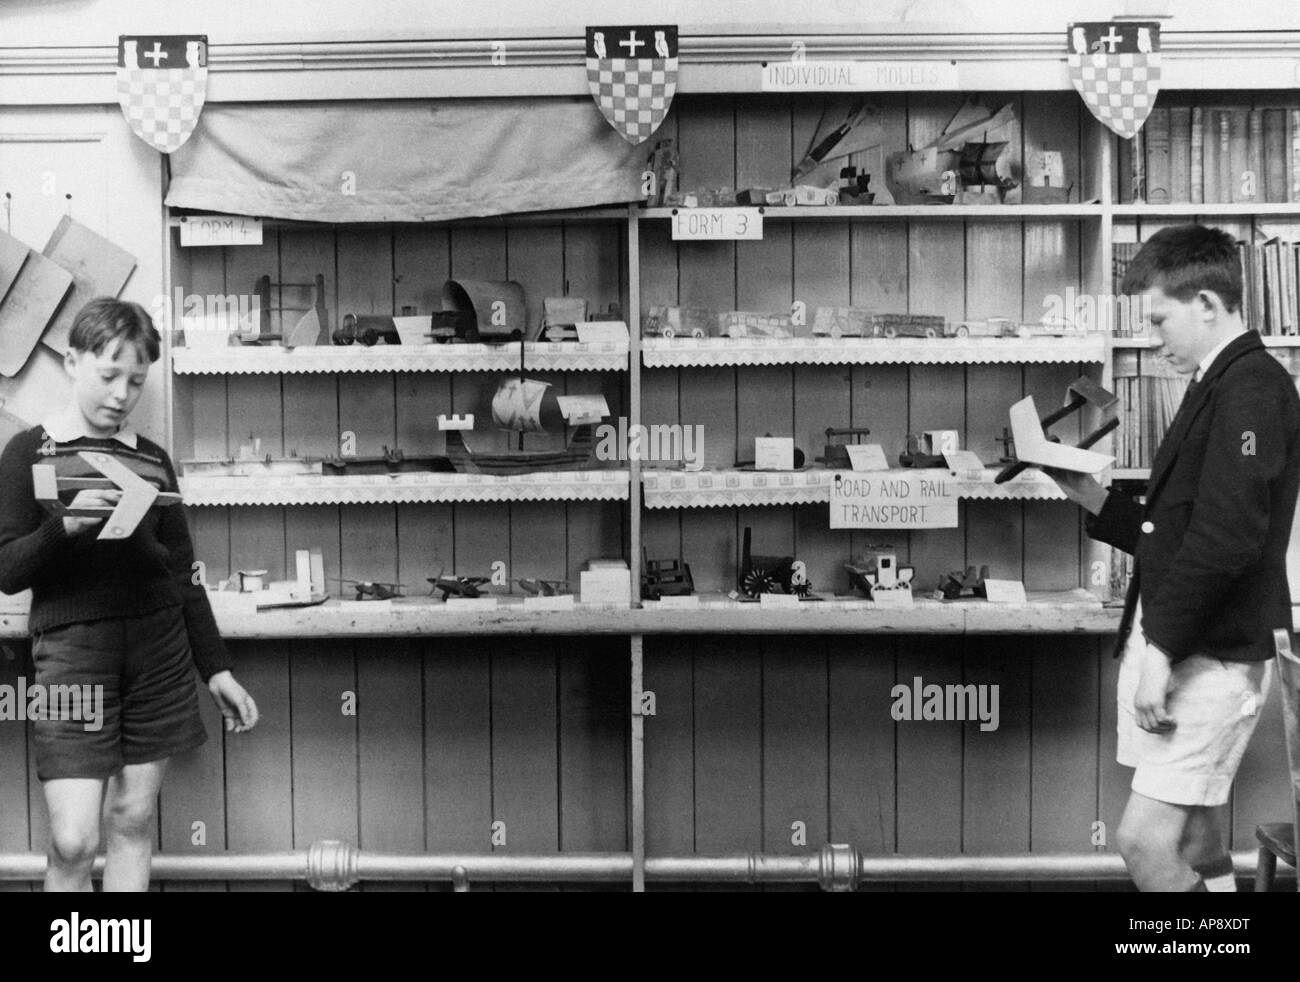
{"points": [[977, 260]]}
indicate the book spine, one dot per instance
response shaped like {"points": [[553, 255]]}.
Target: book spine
{"points": [[1124, 172], [1211, 156], [1275, 186], [1139, 163], [1252, 183], [1238, 128], [1180, 154], [1223, 193], [1156, 133], [1294, 147], [1197, 163]]}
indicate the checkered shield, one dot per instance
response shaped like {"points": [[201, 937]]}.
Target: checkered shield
{"points": [[1115, 66], [161, 85], [632, 73]]}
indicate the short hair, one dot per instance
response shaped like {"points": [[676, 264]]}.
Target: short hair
{"points": [[1185, 259], [107, 319]]}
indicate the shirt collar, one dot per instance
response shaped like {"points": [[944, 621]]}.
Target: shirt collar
{"points": [[1213, 353], [68, 424]]}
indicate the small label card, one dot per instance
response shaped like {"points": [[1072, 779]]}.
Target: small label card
{"points": [[602, 332], [717, 223], [892, 598], [778, 600], [774, 453], [867, 457], [220, 230], [965, 462], [562, 602], [691, 602], [1005, 591]]}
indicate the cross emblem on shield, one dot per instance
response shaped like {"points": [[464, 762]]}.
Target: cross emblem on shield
{"points": [[162, 82], [1115, 67], [632, 74]]}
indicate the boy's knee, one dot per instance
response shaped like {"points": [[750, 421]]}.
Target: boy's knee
{"points": [[70, 845], [133, 819]]}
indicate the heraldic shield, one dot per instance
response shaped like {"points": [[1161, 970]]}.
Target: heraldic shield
{"points": [[632, 73], [162, 82], [1115, 66]]}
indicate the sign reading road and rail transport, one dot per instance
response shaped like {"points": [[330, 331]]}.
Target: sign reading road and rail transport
{"points": [[894, 500]]}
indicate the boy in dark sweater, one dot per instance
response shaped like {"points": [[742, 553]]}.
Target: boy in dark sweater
{"points": [[125, 614]]}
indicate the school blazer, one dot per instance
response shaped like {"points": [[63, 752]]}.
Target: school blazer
{"points": [[1210, 543]]}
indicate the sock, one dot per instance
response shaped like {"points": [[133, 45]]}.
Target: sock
{"points": [[1218, 875], [1198, 886]]}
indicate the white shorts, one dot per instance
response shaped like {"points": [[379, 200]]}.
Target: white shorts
{"points": [[1215, 705]]}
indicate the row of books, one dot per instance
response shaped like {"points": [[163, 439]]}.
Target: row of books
{"points": [[1270, 300], [1148, 401], [1195, 154]]}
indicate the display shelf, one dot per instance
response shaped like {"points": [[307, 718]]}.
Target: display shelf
{"points": [[399, 358], [1130, 474], [1067, 612], [894, 212], [737, 488], [1184, 209], [1270, 341], [710, 352], [1062, 612], [314, 489]]}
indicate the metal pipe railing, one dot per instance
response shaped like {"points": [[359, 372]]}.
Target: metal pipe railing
{"points": [[335, 866]]}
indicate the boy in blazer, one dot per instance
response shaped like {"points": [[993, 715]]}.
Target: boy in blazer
{"points": [[1209, 588]]}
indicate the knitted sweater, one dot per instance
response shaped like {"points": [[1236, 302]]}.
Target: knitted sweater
{"points": [[76, 578]]}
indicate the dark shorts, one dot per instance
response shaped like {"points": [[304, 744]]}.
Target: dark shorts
{"points": [[149, 708]]}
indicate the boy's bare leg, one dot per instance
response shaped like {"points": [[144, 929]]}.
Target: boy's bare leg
{"points": [[1150, 837], [73, 806], [1203, 835], [130, 825]]}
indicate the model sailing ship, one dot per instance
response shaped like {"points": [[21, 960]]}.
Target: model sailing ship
{"points": [[522, 405]]}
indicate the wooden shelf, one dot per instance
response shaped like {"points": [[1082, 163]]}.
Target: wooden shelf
{"points": [[710, 352], [537, 356], [592, 485], [744, 489], [1184, 209], [1140, 343], [1068, 612], [1130, 473], [773, 213]]}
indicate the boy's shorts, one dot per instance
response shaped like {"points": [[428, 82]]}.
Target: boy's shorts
{"points": [[149, 708], [1215, 705]]}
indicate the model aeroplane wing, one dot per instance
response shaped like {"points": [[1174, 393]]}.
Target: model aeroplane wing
{"points": [[1033, 447]]}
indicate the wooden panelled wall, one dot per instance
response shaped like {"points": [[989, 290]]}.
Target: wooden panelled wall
{"points": [[752, 734]]}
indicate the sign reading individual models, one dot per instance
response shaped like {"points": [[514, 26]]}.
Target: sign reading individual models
{"points": [[717, 223], [1115, 67], [632, 74], [858, 76], [221, 230], [162, 82], [922, 499]]}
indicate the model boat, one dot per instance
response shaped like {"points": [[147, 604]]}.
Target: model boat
{"points": [[521, 406]]}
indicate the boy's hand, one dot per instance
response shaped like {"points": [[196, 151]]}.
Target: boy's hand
{"points": [[89, 498], [236, 705], [1082, 489], [1154, 673]]}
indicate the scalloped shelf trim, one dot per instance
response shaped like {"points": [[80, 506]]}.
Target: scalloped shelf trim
{"points": [[691, 352], [603, 485], [398, 358]]}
